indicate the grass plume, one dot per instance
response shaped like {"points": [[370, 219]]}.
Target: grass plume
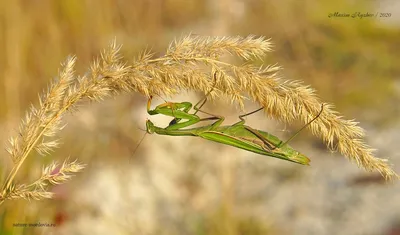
{"points": [[183, 67]]}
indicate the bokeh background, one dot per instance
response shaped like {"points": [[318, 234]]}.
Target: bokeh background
{"points": [[183, 185]]}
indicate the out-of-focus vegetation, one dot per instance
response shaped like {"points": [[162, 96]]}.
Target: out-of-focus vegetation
{"points": [[351, 62], [37, 35], [220, 223]]}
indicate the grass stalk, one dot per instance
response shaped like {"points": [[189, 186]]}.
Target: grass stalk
{"points": [[181, 68]]}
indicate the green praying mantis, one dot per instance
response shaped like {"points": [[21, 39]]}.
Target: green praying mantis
{"points": [[237, 135]]}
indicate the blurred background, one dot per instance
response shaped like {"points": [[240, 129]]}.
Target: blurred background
{"points": [[183, 185]]}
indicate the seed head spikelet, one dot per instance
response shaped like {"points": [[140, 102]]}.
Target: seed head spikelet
{"points": [[191, 63], [285, 100], [106, 77]]}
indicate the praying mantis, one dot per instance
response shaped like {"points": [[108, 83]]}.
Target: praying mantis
{"points": [[237, 135]]}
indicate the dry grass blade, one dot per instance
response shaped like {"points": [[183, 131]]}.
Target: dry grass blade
{"points": [[182, 67]]}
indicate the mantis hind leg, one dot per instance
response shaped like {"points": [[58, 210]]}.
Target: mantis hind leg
{"points": [[248, 114], [268, 146], [241, 117], [308, 123]]}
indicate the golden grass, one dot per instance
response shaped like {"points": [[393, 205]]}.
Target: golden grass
{"points": [[182, 67]]}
